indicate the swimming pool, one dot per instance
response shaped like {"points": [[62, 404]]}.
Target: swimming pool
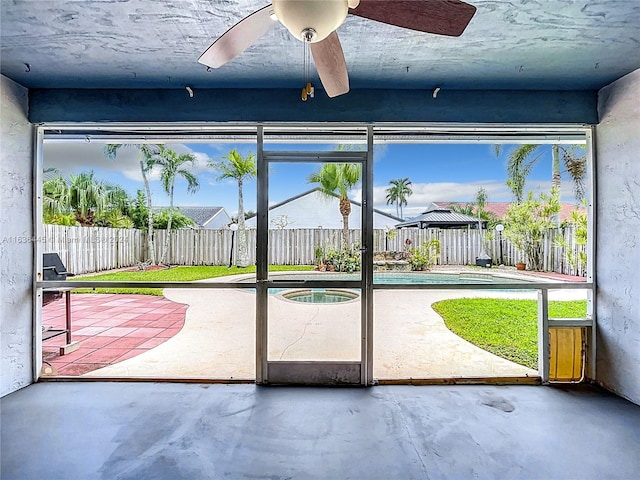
{"points": [[442, 278], [412, 278], [395, 278]]}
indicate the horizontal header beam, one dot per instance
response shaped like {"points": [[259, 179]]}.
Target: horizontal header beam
{"points": [[253, 105]]}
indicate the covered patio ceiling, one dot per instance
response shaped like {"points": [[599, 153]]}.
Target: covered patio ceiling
{"points": [[137, 44]]}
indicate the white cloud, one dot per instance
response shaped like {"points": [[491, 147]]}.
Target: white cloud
{"points": [[68, 158], [566, 189], [71, 157], [426, 193]]}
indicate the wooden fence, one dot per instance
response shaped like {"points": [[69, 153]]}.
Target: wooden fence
{"points": [[94, 249]]}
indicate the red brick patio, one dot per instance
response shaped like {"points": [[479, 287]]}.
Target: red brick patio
{"points": [[110, 328]]}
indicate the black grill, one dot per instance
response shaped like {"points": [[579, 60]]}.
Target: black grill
{"points": [[53, 269]]}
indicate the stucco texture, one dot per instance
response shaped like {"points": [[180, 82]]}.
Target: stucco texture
{"points": [[618, 237], [16, 254]]}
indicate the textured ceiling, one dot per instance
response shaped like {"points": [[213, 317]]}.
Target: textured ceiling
{"points": [[518, 44]]}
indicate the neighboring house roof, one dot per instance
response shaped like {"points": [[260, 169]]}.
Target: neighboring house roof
{"points": [[318, 189], [438, 216], [499, 209], [290, 204], [200, 215]]}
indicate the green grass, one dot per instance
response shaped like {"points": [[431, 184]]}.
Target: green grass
{"points": [[507, 328], [175, 274]]}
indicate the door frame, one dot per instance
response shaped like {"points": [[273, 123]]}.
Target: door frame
{"points": [[314, 372]]}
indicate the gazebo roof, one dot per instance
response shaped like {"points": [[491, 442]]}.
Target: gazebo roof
{"points": [[437, 216]]}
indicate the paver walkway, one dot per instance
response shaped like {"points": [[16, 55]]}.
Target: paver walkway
{"points": [[110, 328]]}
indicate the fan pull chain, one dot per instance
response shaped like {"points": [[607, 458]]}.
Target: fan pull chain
{"points": [[307, 90]]}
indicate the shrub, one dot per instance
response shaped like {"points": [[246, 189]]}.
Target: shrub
{"points": [[527, 222], [576, 254], [424, 256], [346, 259]]}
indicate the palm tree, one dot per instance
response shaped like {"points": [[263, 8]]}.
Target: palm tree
{"points": [[145, 157], [235, 166], [338, 179], [477, 208], [55, 195], [398, 192], [87, 197], [117, 208], [481, 201], [174, 165], [523, 158]]}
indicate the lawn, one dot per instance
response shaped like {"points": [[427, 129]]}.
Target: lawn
{"points": [[174, 274], [507, 328]]}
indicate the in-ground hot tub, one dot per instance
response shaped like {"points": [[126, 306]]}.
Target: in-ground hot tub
{"points": [[320, 296]]}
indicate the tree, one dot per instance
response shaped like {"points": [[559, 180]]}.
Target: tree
{"points": [[116, 212], [527, 222], [139, 211], [477, 209], [575, 253], [87, 197], [173, 166], [84, 200], [114, 219], [338, 179], [281, 222], [398, 192], [117, 198], [55, 196], [523, 158], [235, 166], [145, 157], [178, 220]]}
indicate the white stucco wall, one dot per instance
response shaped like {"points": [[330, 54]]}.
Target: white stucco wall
{"points": [[316, 210], [618, 237], [16, 252]]}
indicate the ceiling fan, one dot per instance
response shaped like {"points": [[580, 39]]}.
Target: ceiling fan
{"points": [[315, 22]]}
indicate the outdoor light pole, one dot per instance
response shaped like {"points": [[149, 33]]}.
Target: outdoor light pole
{"points": [[499, 229], [233, 227]]}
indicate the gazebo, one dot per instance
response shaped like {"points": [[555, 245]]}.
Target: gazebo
{"points": [[437, 216]]}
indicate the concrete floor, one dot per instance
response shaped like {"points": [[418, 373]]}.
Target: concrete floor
{"points": [[192, 431]]}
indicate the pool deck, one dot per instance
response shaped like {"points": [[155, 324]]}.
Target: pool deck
{"points": [[217, 336], [110, 328]]}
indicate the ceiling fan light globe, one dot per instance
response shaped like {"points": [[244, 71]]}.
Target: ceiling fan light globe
{"points": [[320, 15]]}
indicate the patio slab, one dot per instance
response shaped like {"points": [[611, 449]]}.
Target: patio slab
{"points": [[411, 340], [105, 325]]}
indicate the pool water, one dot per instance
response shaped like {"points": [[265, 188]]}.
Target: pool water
{"points": [[409, 278], [446, 278], [320, 296]]}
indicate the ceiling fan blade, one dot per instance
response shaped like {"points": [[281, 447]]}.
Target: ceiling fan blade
{"points": [[332, 69], [442, 17], [238, 38]]}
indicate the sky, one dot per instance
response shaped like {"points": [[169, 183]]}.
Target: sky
{"points": [[443, 172]]}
